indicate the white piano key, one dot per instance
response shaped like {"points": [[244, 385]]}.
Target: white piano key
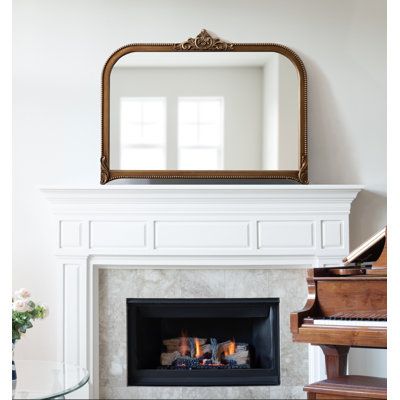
{"points": [[349, 322]]}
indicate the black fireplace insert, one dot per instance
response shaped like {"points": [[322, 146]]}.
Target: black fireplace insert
{"points": [[203, 342]]}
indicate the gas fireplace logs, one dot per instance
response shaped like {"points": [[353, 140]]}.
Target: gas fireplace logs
{"points": [[177, 343], [199, 353], [169, 358]]}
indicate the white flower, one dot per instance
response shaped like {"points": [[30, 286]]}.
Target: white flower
{"points": [[22, 305], [22, 293]]}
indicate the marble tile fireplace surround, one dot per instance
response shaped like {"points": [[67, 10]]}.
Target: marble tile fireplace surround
{"points": [[188, 241]]}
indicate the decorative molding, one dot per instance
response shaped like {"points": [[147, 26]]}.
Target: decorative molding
{"points": [[303, 172], [273, 197], [105, 171], [204, 42]]}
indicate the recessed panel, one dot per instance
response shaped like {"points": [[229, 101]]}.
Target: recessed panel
{"points": [[112, 234], [71, 313], [332, 234], [285, 234], [70, 234], [199, 234]]}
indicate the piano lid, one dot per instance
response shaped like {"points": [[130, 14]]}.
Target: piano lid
{"points": [[370, 251]]}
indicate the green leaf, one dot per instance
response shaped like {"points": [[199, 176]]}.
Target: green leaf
{"points": [[16, 335]]}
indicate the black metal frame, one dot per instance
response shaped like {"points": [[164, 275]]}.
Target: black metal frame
{"points": [[263, 310]]}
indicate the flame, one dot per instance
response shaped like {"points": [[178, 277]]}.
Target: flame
{"points": [[198, 349], [231, 348], [184, 344]]}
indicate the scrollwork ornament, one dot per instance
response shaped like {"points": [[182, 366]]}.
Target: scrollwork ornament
{"points": [[303, 173], [204, 42], [105, 171]]}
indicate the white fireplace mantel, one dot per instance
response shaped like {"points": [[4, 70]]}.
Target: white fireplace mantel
{"points": [[184, 226]]}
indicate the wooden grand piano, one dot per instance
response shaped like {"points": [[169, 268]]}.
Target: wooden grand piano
{"points": [[346, 307]]}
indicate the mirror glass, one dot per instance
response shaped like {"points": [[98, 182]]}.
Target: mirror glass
{"points": [[204, 111]]}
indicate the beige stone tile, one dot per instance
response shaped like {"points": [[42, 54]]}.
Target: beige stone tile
{"points": [[202, 283], [112, 367], [248, 392], [117, 283], [287, 392], [288, 283], [140, 392], [294, 364], [205, 392], [158, 283], [246, 283], [291, 287], [115, 286], [226, 392], [164, 392]]}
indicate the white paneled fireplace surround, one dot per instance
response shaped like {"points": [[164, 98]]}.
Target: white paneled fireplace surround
{"points": [[189, 242]]}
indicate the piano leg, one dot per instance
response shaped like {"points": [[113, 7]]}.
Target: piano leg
{"points": [[335, 360]]}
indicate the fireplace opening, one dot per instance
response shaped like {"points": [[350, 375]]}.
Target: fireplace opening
{"points": [[195, 342]]}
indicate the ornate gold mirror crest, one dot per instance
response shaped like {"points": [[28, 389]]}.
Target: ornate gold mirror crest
{"points": [[136, 61], [204, 42]]}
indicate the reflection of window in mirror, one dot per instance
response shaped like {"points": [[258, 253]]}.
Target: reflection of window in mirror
{"points": [[143, 132], [200, 133], [195, 127]]}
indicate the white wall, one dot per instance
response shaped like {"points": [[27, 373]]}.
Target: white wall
{"points": [[61, 46]]}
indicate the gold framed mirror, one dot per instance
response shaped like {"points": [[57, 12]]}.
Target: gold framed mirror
{"points": [[204, 109]]}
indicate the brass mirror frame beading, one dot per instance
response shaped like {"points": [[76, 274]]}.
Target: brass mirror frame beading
{"points": [[203, 42]]}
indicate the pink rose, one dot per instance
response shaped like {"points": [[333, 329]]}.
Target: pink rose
{"points": [[22, 305], [22, 293]]}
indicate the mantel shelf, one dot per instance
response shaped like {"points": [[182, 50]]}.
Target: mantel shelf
{"points": [[198, 194]]}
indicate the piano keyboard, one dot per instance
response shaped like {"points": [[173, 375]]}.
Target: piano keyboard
{"points": [[350, 322], [366, 318]]}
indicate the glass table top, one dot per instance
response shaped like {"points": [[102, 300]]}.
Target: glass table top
{"points": [[47, 379]]}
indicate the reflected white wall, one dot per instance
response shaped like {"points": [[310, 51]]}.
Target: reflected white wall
{"points": [[271, 113], [289, 108], [241, 88], [281, 143]]}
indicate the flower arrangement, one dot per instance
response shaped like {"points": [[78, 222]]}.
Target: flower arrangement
{"points": [[24, 311]]}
